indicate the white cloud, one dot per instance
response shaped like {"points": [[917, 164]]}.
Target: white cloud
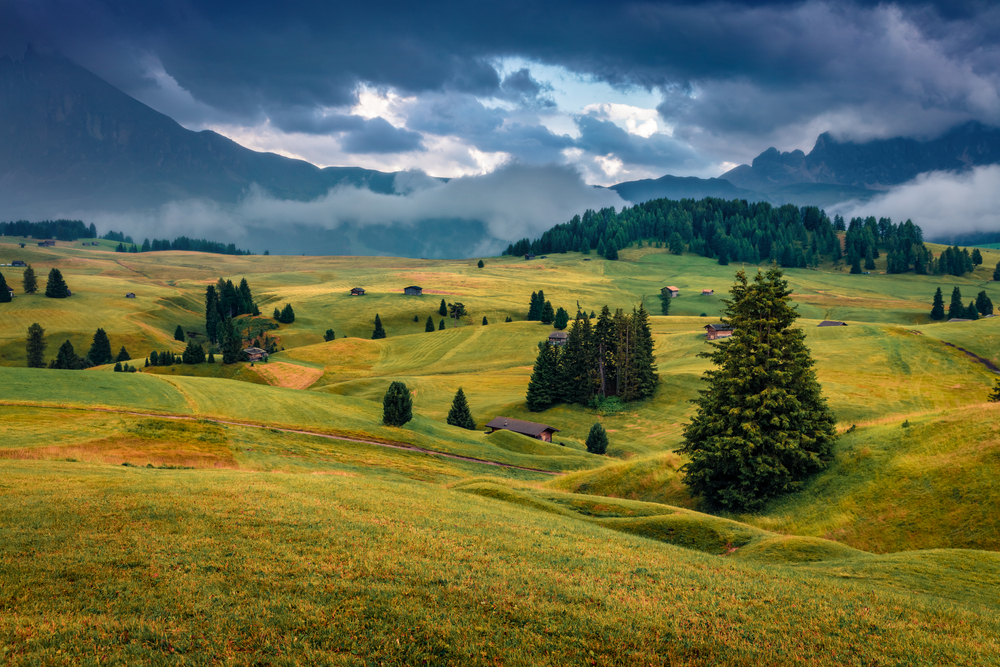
{"points": [[942, 203], [636, 120]]}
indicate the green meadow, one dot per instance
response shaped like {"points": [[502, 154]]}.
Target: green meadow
{"points": [[262, 514]]}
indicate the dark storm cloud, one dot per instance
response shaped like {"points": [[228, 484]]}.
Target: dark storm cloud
{"points": [[736, 68], [359, 135]]}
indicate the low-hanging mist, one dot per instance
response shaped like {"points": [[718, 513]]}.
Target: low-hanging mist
{"points": [[487, 212]]}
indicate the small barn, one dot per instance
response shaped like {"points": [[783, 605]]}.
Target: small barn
{"points": [[707, 292], [357, 291], [714, 331], [129, 295], [18, 262], [558, 338], [670, 291], [255, 354], [413, 290], [46, 244], [530, 429], [831, 323]]}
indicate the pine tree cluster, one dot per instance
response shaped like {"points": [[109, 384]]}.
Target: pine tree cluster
{"points": [[611, 357], [224, 301]]}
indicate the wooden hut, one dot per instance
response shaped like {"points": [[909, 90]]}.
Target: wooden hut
{"points": [[256, 354], [18, 262], [357, 291], [558, 338], [707, 292], [670, 291], [413, 290], [831, 323], [129, 295], [714, 331], [530, 429]]}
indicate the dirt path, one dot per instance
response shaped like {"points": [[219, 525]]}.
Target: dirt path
{"points": [[330, 436]]}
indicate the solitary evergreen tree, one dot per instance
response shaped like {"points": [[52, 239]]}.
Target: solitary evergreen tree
{"points": [[995, 396], [379, 331], [460, 415], [397, 405], [996, 272], [443, 309], [983, 303], [329, 335], [937, 310], [561, 319], [193, 353], [441, 326], [100, 350], [762, 426], [55, 286], [36, 346], [123, 355], [956, 308], [481, 265], [416, 319], [211, 358], [4, 292], [429, 327], [665, 300], [597, 439], [548, 315], [29, 282], [179, 333], [543, 388], [485, 321]]}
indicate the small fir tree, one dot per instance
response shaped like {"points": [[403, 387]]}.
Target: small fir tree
{"points": [[994, 397], [329, 335], [548, 315], [29, 281], [441, 326], [123, 355], [379, 332], [179, 333], [543, 388], [118, 367], [972, 313], [561, 319], [277, 314], [55, 286], [956, 308], [4, 292], [397, 405], [67, 359], [983, 304], [193, 353], [100, 350], [443, 309], [665, 300], [35, 346], [977, 257], [508, 319], [485, 321], [429, 327], [211, 358], [762, 425], [996, 272], [460, 415], [597, 439], [481, 265], [937, 310]]}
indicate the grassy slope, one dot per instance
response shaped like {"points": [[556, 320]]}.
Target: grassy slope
{"points": [[890, 489]]}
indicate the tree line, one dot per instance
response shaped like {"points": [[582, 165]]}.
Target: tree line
{"points": [[55, 285], [613, 357], [981, 307], [62, 230], [66, 357]]}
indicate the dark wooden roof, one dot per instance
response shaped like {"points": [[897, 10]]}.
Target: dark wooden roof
{"points": [[519, 426], [719, 327], [831, 323], [413, 287], [558, 334]]}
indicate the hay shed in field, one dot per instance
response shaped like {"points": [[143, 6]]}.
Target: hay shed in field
{"points": [[413, 290], [530, 429], [707, 292], [18, 262], [671, 291], [831, 323], [714, 331], [256, 354], [357, 291], [129, 295]]}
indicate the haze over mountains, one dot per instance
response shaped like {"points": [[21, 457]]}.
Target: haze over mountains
{"points": [[73, 145]]}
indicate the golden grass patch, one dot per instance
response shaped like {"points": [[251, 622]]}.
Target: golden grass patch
{"points": [[290, 376]]}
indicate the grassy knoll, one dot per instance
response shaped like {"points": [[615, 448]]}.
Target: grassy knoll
{"points": [[159, 566]]}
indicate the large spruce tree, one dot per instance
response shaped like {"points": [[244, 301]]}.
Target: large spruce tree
{"points": [[55, 286], [179, 333], [29, 282], [429, 327], [956, 308], [4, 292], [644, 376], [460, 415], [762, 425], [984, 304], [937, 310], [100, 349], [577, 378], [443, 309], [543, 388], [35, 347], [397, 405]]}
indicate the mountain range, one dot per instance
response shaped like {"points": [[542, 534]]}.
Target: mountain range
{"points": [[70, 141]]}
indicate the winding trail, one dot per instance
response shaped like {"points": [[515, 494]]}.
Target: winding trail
{"points": [[330, 436]]}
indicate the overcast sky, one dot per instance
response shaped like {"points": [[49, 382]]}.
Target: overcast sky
{"points": [[617, 90]]}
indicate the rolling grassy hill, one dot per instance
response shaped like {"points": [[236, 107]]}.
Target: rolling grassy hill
{"points": [[265, 515]]}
